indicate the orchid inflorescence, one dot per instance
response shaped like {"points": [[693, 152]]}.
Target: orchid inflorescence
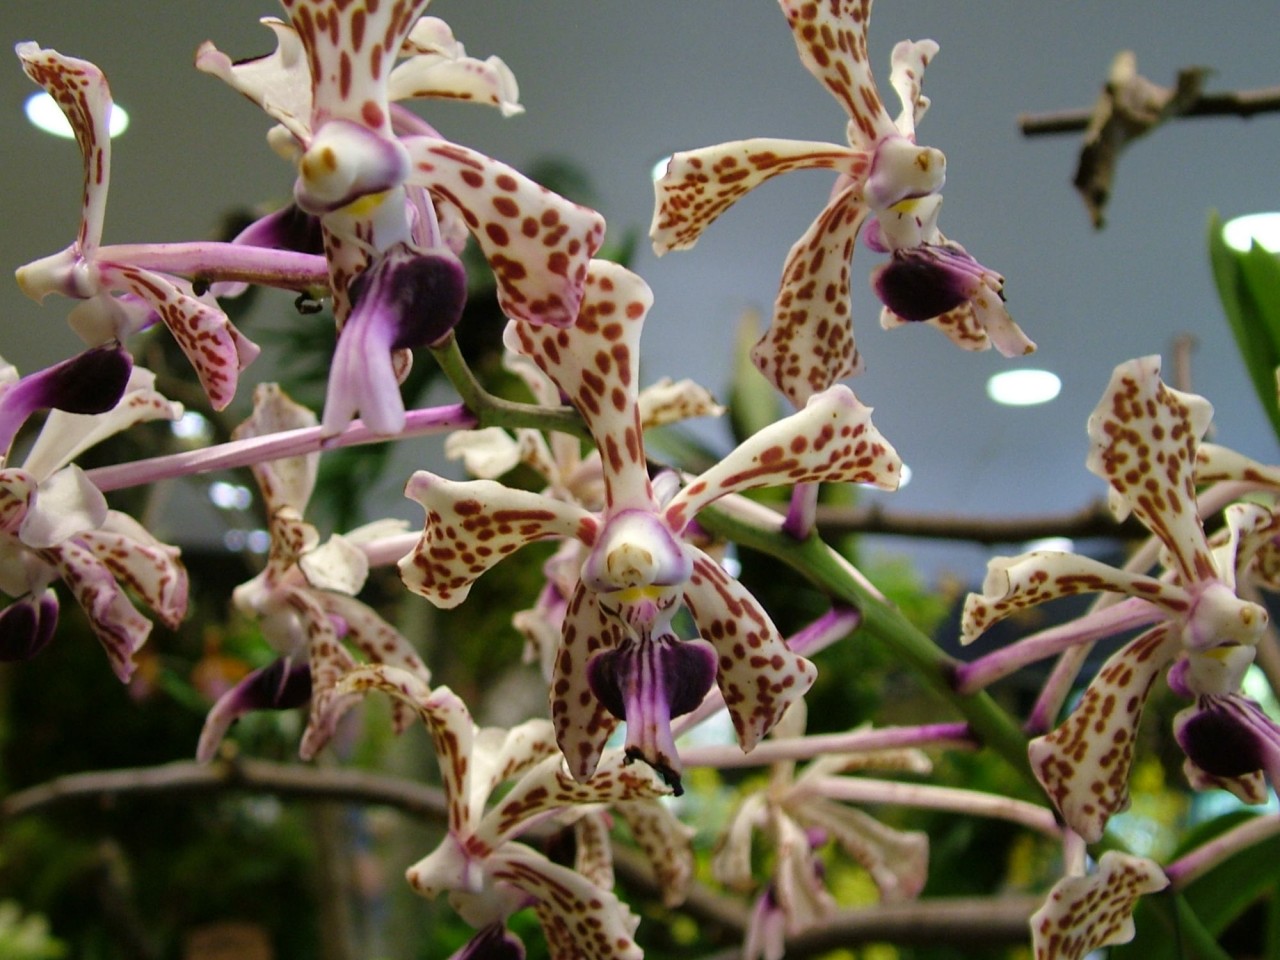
{"points": [[640, 622]]}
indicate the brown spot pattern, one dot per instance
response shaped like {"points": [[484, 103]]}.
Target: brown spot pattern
{"points": [[1083, 914]]}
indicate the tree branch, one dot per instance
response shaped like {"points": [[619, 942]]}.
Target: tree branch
{"points": [[1236, 103]]}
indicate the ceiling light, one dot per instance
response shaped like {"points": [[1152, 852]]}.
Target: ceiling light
{"points": [[45, 113], [1023, 388], [1240, 233]]}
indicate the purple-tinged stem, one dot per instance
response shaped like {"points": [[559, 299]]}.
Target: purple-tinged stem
{"points": [[286, 443], [928, 796], [213, 262], [1208, 855], [1044, 715], [978, 674], [952, 736], [802, 515]]}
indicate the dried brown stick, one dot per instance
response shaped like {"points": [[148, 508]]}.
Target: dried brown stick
{"points": [[1233, 103]]}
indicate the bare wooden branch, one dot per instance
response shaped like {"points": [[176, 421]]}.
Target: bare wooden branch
{"points": [[1092, 521], [1232, 103]]}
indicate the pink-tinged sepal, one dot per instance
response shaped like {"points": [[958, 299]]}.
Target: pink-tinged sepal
{"points": [[810, 343], [152, 569], [1144, 436], [216, 349], [404, 299], [537, 242], [280, 82], [582, 722], [758, 675], [1084, 764], [699, 185], [1084, 914], [471, 525], [121, 629], [831, 440], [283, 684], [27, 625], [648, 681]]}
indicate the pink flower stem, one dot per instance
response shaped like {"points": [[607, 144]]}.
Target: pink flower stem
{"points": [[928, 796], [211, 262], [803, 512], [1208, 855], [946, 735], [978, 674], [286, 443]]}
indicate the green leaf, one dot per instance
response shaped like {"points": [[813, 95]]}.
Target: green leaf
{"points": [[1249, 287]]}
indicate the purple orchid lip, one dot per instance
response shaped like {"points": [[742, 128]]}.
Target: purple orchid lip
{"points": [[91, 382], [27, 626], [494, 942], [420, 295], [1229, 737], [648, 682], [920, 283]]}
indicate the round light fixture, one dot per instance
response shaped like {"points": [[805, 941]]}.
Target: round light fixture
{"points": [[1023, 388], [1239, 233], [46, 115]]}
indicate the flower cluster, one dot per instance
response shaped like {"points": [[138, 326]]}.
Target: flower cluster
{"points": [[641, 618]]}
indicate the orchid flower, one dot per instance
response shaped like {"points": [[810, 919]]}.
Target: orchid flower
{"points": [[395, 279], [122, 297], [1144, 443], [481, 864], [619, 657], [54, 523], [798, 817], [571, 476], [1085, 913], [304, 598], [881, 174]]}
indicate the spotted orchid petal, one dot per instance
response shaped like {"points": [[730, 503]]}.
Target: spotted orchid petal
{"points": [[548, 786], [281, 685], [667, 843], [68, 434], [1016, 583], [136, 558], [1084, 764], [898, 860], [487, 453], [438, 67], [906, 75], [665, 401], [1215, 463], [404, 299], [595, 364], [17, 494], [80, 90], [582, 721], [27, 625], [699, 185], [537, 242], [287, 481], [279, 82], [592, 850], [1083, 914], [1144, 436], [731, 861], [797, 885], [121, 629], [90, 383], [810, 344], [831, 439], [832, 42], [580, 921], [758, 675], [471, 525], [67, 504]]}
